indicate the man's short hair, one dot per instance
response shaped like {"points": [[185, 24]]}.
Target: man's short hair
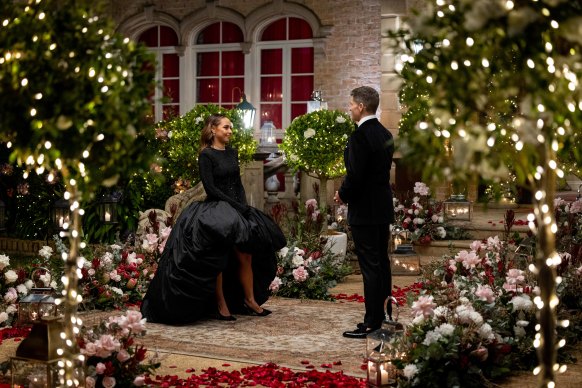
{"points": [[368, 97]]}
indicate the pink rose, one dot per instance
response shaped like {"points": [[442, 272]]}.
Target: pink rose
{"points": [[107, 345], [515, 276], [134, 321], [311, 202], [460, 257], [100, 368], [300, 274], [139, 381], [476, 245], [275, 284], [123, 355], [90, 349], [89, 382], [108, 382], [424, 306], [471, 260]]}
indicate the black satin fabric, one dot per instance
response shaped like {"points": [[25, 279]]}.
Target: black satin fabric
{"points": [[200, 246]]}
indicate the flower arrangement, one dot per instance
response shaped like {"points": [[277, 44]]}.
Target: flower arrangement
{"points": [[307, 274], [474, 319], [569, 221], [422, 216], [112, 357]]}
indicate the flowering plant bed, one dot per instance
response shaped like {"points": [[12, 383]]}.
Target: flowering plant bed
{"points": [[474, 319]]}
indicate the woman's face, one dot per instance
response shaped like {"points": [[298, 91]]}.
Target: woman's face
{"points": [[222, 132]]}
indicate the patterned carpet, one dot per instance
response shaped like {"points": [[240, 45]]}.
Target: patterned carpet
{"points": [[296, 331]]}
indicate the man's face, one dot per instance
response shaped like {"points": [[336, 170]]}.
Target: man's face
{"points": [[356, 109]]}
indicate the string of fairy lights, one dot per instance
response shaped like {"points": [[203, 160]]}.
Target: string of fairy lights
{"points": [[533, 130]]}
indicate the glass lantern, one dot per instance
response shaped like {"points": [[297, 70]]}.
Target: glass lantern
{"points": [[401, 240], [37, 364], [247, 111], [382, 351], [108, 206], [61, 213], [39, 304], [316, 102], [458, 208]]}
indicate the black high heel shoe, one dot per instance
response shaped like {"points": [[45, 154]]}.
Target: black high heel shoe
{"points": [[221, 317], [251, 312]]}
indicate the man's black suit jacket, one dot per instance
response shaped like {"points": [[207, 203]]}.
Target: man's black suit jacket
{"points": [[366, 186]]}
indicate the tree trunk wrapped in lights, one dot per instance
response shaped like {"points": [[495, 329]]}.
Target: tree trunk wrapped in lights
{"points": [[499, 82], [74, 96]]}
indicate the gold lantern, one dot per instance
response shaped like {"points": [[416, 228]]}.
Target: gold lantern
{"points": [[382, 351], [39, 303], [37, 362], [458, 208]]}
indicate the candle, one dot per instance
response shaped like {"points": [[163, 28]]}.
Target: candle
{"points": [[107, 216], [397, 241], [34, 315], [61, 222], [384, 378]]}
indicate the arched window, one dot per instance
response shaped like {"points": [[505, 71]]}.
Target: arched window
{"points": [[166, 100], [220, 65], [286, 70]]}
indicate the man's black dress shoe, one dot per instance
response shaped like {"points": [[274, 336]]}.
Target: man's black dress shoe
{"points": [[360, 332]]}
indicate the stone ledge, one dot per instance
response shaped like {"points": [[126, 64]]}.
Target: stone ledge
{"points": [[23, 247]]}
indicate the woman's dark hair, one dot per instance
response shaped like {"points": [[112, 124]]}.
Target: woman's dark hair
{"points": [[207, 136]]}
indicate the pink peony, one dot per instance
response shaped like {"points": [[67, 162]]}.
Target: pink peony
{"points": [[471, 260], [515, 276], [300, 274], [485, 293], [134, 321], [476, 245], [106, 345], [460, 257], [424, 306]]}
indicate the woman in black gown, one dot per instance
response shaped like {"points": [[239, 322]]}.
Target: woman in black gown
{"points": [[220, 256]]}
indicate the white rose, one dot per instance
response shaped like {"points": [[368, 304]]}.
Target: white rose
{"points": [[310, 132], [340, 119], [3, 317], [11, 309], [283, 252], [4, 262], [297, 260], [10, 276]]}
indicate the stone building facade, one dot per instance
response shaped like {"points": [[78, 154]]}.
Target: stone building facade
{"points": [[349, 41]]}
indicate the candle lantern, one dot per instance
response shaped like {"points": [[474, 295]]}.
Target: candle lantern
{"points": [[316, 102], [401, 240], [382, 354], [458, 208], [39, 304], [108, 206], [247, 111], [37, 363], [403, 259], [61, 213]]}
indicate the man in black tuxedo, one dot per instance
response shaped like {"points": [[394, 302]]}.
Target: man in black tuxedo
{"points": [[366, 190]]}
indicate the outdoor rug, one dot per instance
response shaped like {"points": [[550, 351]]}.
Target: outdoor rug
{"points": [[298, 334]]}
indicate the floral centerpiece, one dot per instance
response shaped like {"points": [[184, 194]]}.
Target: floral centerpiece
{"points": [[306, 267], [111, 356], [422, 217], [315, 142], [474, 320]]}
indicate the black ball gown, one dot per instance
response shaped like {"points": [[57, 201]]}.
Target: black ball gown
{"points": [[201, 245]]}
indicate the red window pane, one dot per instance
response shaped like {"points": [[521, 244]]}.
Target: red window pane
{"points": [[299, 29], [301, 87], [276, 31], [298, 109], [170, 111], [207, 64], [209, 35], [172, 89], [271, 88], [149, 37], [207, 90], [171, 65], [168, 37], [272, 61], [229, 93], [302, 60], [271, 112], [233, 63], [231, 33]]}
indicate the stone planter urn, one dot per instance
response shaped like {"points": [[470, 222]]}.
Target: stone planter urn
{"points": [[336, 242]]}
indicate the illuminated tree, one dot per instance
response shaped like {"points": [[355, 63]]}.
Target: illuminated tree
{"points": [[74, 97], [315, 143], [496, 83]]}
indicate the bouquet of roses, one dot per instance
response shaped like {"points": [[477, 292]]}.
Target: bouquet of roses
{"points": [[112, 357], [305, 274], [421, 216]]}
